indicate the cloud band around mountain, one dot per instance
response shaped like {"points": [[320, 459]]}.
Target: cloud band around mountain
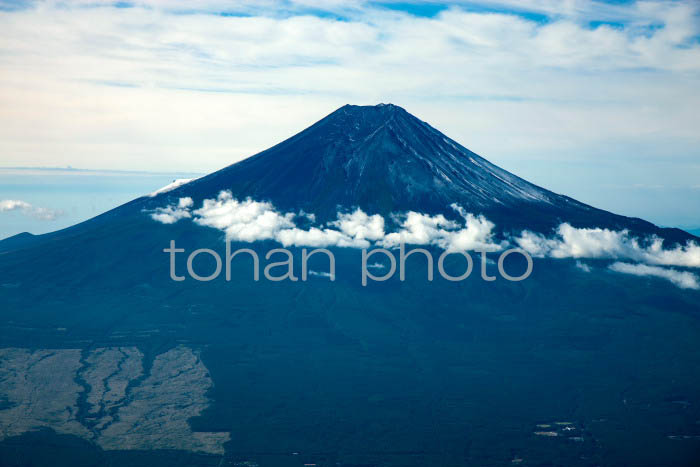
{"points": [[573, 242], [249, 221]]}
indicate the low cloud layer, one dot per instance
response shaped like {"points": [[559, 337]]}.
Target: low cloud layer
{"points": [[28, 209], [683, 279], [572, 242], [649, 254], [249, 221], [421, 229]]}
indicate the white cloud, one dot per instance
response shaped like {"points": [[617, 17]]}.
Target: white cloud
{"points": [[361, 226], [321, 274], [572, 242], [423, 229], [172, 214], [171, 186], [251, 220], [687, 255], [13, 204], [199, 93], [682, 279], [184, 203], [245, 220], [40, 213], [356, 229]]}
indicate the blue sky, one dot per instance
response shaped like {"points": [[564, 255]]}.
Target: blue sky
{"points": [[597, 100]]}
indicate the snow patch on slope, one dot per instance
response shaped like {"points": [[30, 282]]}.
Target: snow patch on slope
{"points": [[171, 186]]}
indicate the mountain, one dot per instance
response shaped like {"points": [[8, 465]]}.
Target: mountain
{"points": [[385, 161], [104, 360]]}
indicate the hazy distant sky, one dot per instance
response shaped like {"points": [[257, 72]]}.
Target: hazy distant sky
{"points": [[596, 100], [44, 200]]}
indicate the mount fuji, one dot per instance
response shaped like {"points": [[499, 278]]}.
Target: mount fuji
{"points": [[580, 364], [382, 160]]}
